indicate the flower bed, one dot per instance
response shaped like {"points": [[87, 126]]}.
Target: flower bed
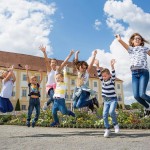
{"points": [[128, 120]]}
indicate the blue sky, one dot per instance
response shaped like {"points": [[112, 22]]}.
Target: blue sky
{"points": [[82, 25], [76, 30]]}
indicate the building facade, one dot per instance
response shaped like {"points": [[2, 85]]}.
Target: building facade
{"points": [[20, 90]]}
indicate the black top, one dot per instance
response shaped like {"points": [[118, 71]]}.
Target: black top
{"points": [[34, 89]]}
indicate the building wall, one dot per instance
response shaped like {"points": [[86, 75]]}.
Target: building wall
{"points": [[20, 89]]}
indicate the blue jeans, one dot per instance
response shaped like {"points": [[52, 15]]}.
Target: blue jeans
{"points": [[33, 103], [51, 94], [140, 80], [83, 100], [59, 105], [109, 108]]}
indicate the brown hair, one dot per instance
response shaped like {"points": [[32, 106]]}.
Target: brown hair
{"points": [[61, 74], [53, 59], [105, 70], [77, 64], [132, 38]]}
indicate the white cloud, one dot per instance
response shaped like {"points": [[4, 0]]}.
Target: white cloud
{"points": [[125, 18], [25, 25], [97, 24], [132, 15]]}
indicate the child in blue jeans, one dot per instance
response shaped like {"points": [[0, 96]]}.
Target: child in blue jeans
{"points": [[109, 96], [34, 94], [59, 99]]}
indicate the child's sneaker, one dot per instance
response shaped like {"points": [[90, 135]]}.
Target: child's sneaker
{"points": [[45, 106], [116, 128], [54, 124], [107, 133], [33, 124], [28, 123], [95, 102]]}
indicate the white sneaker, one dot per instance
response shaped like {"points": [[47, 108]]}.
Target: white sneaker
{"points": [[116, 128], [45, 106], [107, 133]]}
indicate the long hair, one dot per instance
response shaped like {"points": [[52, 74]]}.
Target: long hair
{"points": [[77, 64], [132, 38]]}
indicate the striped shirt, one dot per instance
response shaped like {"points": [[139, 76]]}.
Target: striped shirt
{"points": [[108, 87], [138, 57]]}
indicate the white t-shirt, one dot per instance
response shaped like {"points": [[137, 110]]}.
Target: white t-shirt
{"points": [[51, 77], [138, 57], [7, 89], [84, 76]]}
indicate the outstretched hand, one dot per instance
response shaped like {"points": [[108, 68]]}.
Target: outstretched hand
{"points": [[118, 37], [94, 52], [96, 62], [113, 61], [72, 52], [42, 48], [27, 67]]}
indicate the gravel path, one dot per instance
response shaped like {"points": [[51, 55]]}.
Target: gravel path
{"points": [[46, 138]]}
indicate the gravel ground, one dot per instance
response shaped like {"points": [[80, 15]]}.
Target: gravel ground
{"points": [[46, 138]]}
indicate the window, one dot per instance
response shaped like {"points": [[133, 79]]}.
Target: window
{"points": [[24, 77], [119, 98], [24, 92], [72, 82], [23, 107], [118, 86], [95, 84]]}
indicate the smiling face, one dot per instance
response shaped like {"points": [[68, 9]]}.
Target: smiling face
{"points": [[106, 76], [33, 80], [53, 63], [137, 40], [59, 77]]}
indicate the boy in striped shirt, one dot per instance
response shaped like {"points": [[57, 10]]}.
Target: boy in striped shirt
{"points": [[109, 96]]}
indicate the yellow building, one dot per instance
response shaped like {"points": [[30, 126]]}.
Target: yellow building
{"points": [[20, 90]]}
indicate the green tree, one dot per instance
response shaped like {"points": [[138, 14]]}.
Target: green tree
{"points": [[17, 108]]}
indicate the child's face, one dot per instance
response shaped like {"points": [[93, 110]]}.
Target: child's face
{"points": [[83, 68], [33, 80], [137, 40], [106, 76], [59, 78], [53, 63]]}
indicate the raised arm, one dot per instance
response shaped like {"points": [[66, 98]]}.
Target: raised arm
{"points": [[126, 46], [113, 61], [41, 76], [13, 75], [65, 61], [113, 69], [92, 61], [9, 75], [96, 62], [27, 72], [43, 49]]}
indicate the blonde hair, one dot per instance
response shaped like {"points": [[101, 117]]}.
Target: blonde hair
{"points": [[61, 74], [105, 70], [32, 77]]}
